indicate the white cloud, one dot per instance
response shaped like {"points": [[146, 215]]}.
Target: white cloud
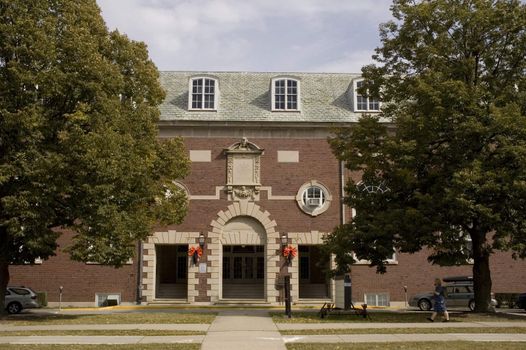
{"points": [[351, 61], [264, 35]]}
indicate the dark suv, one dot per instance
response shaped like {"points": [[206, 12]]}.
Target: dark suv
{"points": [[18, 298]]}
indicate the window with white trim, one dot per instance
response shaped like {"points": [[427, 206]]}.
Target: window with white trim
{"points": [[468, 248], [313, 198], [391, 260], [364, 103], [203, 94], [377, 188], [376, 299], [285, 94]]}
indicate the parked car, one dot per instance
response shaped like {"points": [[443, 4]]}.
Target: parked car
{"points": [[521, 301], [459, 292], [18, 298]]}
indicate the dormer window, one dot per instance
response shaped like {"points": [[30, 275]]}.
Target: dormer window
{"points": [[364, 103], [203, 94], [285, 94]]}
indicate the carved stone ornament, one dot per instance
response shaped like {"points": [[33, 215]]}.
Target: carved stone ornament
{"points": [[244, 192], [243, 170]]}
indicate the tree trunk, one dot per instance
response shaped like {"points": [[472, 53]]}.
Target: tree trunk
{"points": [[481, 274], [4, 280]]}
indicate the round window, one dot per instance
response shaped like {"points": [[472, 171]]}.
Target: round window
{"points": [[313, 198]]}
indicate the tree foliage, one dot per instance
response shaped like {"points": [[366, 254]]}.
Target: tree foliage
{"points": [[78, 129], [449, 148]]}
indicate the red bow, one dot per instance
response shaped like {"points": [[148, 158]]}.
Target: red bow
{"points": [[290, 251], [193, 250]]}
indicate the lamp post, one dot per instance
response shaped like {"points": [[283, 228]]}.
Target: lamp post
{"points": [[286, 279], [284, 240]]}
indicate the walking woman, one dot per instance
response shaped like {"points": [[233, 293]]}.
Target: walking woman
{"points": [[439, 305]]}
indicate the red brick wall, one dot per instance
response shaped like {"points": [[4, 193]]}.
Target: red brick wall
{"points": [[80, 281], [316, 163], [418, 275]]}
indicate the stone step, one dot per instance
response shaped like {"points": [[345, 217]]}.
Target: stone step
{"points": [[172, 291], [243, 291], [313, 291]]}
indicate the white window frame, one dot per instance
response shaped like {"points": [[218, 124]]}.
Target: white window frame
{"points": [[316, 199], [376, 295], [273, 95], [469, 247], [203, 93], [355, 84], [389, 261], [314, 210]]}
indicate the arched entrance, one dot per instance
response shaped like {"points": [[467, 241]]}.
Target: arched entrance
{"points": [[245, 249], [243, 262]]}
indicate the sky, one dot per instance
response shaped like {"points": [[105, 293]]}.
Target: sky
{"points": [[252, 35]]}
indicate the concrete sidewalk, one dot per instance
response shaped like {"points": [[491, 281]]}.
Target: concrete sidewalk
{"points": [[234, 324], [254, 329], [195, 339], [373, 325], [381, 338], [243, 329], [200, 327]]}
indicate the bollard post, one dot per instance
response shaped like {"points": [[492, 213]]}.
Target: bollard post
{"points": [[347, 292], [288, 310], [60, 298]]}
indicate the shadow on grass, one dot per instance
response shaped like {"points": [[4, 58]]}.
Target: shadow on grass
{"points": [[36, 318], [39, 317]]}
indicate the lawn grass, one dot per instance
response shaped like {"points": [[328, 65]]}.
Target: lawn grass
{"points": [[105, 332], [99, 347], [507, 330], [114, 318], [390, 317], [456, 345]]}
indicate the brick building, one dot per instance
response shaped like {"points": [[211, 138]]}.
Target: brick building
{"points": [[262, 173]]}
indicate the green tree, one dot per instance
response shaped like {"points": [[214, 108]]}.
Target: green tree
{"points": [[78, 137], [447, 155]]}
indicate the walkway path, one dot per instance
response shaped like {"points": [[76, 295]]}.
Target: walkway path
{"points": [[243, 329], [254, 329], [371, 325], [380, 338], [200, 327]]}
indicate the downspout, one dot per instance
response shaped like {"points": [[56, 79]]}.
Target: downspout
{"points": [[342, 191], [139, 273], [342, 218]]}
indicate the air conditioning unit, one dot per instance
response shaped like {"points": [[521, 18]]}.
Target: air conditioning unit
{"points": [[314, 202]]}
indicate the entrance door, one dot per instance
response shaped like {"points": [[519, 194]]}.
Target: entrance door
{"points": [[172, 268], [243, 272], [314, 284]]}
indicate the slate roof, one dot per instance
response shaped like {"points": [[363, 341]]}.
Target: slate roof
{"points": [[246, 96]]}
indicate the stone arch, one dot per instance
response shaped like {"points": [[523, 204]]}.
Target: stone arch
{"points": [[307, 238], [150, 259], [236, 215], [243, 230]]}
